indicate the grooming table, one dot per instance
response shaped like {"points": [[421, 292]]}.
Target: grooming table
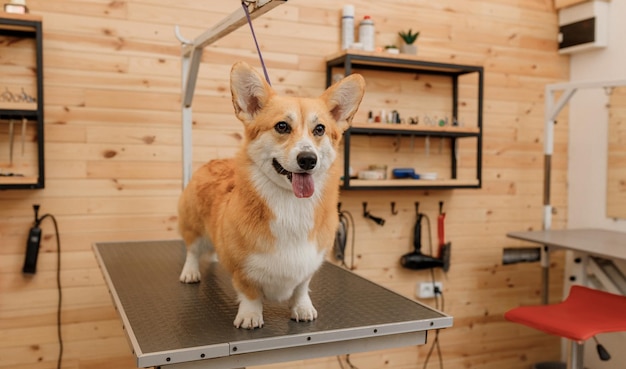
{"points": [[598, 242], [190, 325], [584, 242]]}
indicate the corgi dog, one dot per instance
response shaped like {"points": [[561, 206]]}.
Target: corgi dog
{"points": [[270, 213]]}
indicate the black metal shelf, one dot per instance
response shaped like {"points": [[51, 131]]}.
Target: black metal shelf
{"points": [[27, 26], [409, 184], [394, 130], [18, 113], [399, 64], [408, 64]]}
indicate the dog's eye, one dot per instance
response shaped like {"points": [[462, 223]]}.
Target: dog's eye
{"points": [[319, 130], [282, 127]]}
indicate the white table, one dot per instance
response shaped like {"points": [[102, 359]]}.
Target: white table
{"points": [[598, 242], [588, 241]]}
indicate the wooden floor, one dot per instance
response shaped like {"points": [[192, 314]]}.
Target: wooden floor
{"points": [[113, 161]]}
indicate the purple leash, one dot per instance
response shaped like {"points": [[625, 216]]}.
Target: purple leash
{"points": [[256, 43]]}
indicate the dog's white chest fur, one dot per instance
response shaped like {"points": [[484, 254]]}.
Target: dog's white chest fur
{"points": [[293, 257], [281, 272]]}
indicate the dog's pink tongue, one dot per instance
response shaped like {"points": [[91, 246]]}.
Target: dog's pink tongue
{"points": [[302, 184]]}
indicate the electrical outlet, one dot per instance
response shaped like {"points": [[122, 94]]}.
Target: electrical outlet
{"points": [[426, 290]]}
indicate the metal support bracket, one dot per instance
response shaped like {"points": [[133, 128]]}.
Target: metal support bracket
{"points": [[552, 110]]}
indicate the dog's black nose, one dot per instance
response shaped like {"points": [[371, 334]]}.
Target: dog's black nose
{"points": [[307, 160]]}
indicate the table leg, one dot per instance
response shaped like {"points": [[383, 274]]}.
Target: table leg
{"points": [[545, 275]]}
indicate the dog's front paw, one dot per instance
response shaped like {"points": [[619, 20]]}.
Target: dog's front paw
{"points": [[303, 313], [250, 313], [191, 269], [190, 274], [249, 320]]}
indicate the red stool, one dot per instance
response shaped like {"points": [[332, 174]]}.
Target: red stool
{"points": [[585, 313]]}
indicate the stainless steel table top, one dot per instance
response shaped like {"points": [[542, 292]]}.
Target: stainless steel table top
{"points": [[599, 242], [169, 322]]}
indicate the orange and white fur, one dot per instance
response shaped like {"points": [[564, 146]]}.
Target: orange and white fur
{"points": [[270, 213]]}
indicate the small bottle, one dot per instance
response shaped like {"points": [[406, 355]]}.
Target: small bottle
{"points": [[366, 33], [347, 27]]}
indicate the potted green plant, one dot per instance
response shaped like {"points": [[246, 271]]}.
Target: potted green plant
{"points": [[408, 40], [392, 49]]}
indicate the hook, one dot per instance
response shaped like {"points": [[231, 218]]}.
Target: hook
{"points": [[397, 144], [366, 214], [417, 208], [394, 211], [440, 207], [180, 37]]}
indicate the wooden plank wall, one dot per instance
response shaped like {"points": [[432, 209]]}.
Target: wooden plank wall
{"points": [[112, 94], [616, 166]]}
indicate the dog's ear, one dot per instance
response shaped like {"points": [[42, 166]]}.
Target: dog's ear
{"points": [[343, 99], [250, 91]]}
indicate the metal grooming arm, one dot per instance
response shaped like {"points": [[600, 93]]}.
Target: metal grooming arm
{"points": [[552, 110], [191, 56]]}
